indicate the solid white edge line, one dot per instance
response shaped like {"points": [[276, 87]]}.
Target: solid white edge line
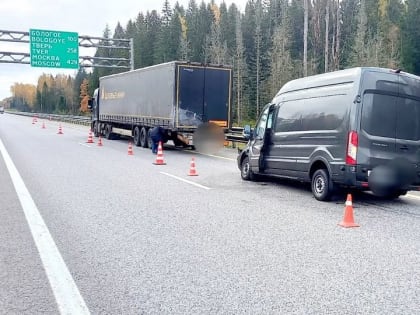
{"points": [[216, 156], [66, 293], [412, 196], [85, 145], [185, 181]]}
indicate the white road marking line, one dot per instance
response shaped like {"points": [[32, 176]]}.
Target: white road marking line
{"points": [[185, 181], [67, 295], [216, 156], [412, 196], [85, 145]]}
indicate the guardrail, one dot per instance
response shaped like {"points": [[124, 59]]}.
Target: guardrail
{"points": [[235, 134], [79, 120]]}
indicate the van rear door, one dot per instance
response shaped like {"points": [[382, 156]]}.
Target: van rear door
{"points": [[390, 124]]}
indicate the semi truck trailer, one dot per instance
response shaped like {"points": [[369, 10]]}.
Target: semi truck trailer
{"points": [[190, 101]]}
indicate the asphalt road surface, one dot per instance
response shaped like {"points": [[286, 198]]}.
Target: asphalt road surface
{"points": [[99, 231]]}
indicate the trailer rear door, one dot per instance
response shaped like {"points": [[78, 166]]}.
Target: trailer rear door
{"points": [[217, 96], [203, 95]]}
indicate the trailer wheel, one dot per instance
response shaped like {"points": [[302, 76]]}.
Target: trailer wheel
{"points": [[149, 138], [108, 132], [136, 136], [143, 137], [179, 143], [95, 129]]}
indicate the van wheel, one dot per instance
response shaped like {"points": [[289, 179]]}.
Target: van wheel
{"points": [[246, 172], [321, 186]]}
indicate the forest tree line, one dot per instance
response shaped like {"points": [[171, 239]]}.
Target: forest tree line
{"points": [[268, 44]]}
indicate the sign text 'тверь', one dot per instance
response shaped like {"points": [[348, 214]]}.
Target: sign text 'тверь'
{"points": [[54, 49]]}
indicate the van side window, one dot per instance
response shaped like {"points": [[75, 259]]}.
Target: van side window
{"points": [[262, 123], [289, 117], [324, 113]]}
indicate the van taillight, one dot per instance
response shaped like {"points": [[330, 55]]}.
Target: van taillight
{"points": [[352, 145]]}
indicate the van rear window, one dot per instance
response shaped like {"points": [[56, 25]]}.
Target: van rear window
{"points": [[408, 119], [391, 116]]}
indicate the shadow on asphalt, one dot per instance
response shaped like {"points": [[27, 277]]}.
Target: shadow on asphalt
{"points": [[339, 197]]}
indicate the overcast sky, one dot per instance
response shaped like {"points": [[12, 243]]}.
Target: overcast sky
{"points": [[86, 17]]}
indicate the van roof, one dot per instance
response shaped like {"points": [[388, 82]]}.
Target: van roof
{"points": [[329, 78]]}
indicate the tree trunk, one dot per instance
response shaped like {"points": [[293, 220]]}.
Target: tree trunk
{"points": [[305, 38], [327, 21], [258, 38], [337, 40], [258, 68]]}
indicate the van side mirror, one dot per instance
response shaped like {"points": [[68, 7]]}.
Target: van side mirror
{"points": [[247, 132], [90, 103]]}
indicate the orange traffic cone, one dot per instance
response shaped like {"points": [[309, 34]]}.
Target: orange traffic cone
{"points": [[100, 142], [159, 157], [192, 171], [43, 125], [348, 220], [130, 149], [60, 130], [90, 139]]}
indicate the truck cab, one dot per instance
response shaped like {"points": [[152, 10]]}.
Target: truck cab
{"points": [[93, 106]]}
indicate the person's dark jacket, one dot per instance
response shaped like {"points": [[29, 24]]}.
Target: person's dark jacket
{"points": [[157, 134]]}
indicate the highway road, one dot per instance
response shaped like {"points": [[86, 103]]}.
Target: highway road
{"points": [[87, 229]]}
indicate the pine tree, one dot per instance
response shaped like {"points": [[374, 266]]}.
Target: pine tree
{"points": [[305, 37], [175, 34], [163, 49], [84, 97], [411, 37], [184, 50], [153, 27], [119, 33], [258, 48], [281, 59], [140, 47], [327, 31], [349, 26], [78, 80], [217, 48], [240, 71], [389, 28]]}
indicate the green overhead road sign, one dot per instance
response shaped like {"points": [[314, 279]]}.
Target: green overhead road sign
{"points": [[54, 49]]}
